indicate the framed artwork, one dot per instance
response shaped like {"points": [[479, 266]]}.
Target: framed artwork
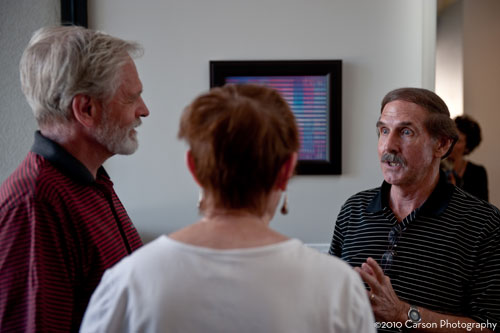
{"points": [[74, 12], [313, 89]]}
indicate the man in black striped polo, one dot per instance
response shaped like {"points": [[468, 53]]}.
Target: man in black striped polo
{"points": [[428, 251], [61, 222]]}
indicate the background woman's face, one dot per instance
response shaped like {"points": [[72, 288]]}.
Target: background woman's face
{"points": [[459, 148]]}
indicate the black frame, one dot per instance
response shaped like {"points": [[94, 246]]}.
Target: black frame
{"points": [[219, 70], [74, 12]]}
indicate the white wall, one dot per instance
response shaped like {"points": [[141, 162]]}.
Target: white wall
{"points": [[468, 75], [384, 44], [481, 40], [449, 58], [18, 20]]}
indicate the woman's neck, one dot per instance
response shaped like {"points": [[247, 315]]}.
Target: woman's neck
{"points": [[229, 229], [459, 167], [233, 216]]}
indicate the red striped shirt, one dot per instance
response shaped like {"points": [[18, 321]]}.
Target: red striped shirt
{"points": [[59, 231]]}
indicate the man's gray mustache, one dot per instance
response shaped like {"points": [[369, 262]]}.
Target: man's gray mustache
{"points": [[393, 158]]}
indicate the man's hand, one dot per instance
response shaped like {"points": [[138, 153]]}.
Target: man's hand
{"points": [[387, 307], [386, 304]]}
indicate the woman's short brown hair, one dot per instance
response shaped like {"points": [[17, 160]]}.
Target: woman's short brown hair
{"points": [[472, 131], [239, 136]]}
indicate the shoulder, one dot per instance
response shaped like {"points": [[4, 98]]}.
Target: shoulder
{"points": [[130, 281], [475, 166], [360, 202], [141, 262], [335, 281], [475, 169], [22, 183], [342, 286], [34, 180], [466, 206], [464, 201], [362, 197], [315, 263]]}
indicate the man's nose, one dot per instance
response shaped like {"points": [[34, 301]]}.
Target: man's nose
{"points": [[392, 142], [143, 110]]}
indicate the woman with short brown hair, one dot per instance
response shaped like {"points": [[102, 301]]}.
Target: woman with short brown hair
{"points": [[230, 272]]}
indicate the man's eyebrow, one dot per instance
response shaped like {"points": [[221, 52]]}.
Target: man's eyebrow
{"points": [[401, 124], [136, 94]]}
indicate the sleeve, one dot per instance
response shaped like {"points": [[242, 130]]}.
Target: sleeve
{"points": [[485, 289], [338, 234], [37, 270]]}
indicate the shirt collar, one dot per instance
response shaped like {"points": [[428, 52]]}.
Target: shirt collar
{"points": [[433, 206], [63, 160]]}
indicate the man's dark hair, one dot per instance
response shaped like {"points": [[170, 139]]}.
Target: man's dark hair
{"points": [[438, 123]]}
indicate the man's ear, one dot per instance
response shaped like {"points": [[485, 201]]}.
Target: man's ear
{"points": [[191, 166], [443, 145], [286, 172], [85, 110]]}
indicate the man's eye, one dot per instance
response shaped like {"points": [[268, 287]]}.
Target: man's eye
{"points": [[384, 131], [407, 132]]}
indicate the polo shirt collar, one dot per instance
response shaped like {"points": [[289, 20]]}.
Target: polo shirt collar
{"points": [[433, 206], [63, 160]]}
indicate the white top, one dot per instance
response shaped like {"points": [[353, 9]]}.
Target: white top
{"points": [[169, 286]]}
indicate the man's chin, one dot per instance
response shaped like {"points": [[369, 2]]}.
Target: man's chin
{"points": [[129, 148], [126, 146], [391, 178]]}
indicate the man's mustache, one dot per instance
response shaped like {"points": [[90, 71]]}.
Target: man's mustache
{"points": [[392, 158]]}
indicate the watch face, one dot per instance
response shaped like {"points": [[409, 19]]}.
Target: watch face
{"points": [[414, 315]]}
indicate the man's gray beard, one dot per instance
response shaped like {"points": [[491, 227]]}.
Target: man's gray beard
{"points": [[116, 140]]}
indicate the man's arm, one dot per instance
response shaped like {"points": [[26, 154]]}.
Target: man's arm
{"points": [[36, 270], [388, 308]]}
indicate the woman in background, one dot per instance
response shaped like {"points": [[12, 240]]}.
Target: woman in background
{"points": [[230, 272], [470, 177]]}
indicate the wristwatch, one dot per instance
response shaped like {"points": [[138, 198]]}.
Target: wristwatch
{"points": [[414, 315]]}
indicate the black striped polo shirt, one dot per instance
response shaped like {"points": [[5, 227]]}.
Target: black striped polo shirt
{"points": [[448, 255], [59, 230]]}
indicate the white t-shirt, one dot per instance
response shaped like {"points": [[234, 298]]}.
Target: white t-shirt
{"points": [[169, 286]]}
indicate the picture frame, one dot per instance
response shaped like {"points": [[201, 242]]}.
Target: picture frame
{"points": [[313, 89], [74, 12]]}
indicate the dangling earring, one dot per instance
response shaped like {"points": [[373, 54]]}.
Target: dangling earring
{"points": [[200, 199], [284, 207]]}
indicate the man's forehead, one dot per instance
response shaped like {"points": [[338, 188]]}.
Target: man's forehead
{"points": [[403, 112], [130, 81]]}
